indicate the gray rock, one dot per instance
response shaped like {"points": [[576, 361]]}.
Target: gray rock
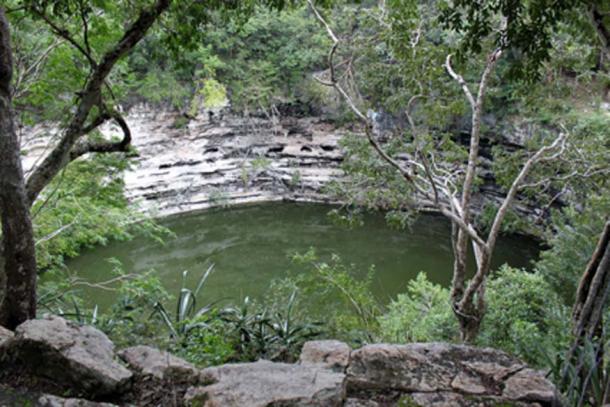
{"points": [[437, 399], [448, 399], [354, 402], [427, 371], [49, 400], [5, 335], [213, 162], [79, 358], [329, 353], [529, 385], [264, 383], [160, 365]]}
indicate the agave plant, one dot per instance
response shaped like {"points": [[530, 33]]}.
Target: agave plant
{"points": [[251, 327], [289, 333], [273, 335], [187, 316], [584, 380]]}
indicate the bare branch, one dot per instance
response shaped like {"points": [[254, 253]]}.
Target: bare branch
{"points": [[31, 72], [321, 19], [83, 16], [460, 80], [368, 126], [430, 177], [54, 234], [482, 272], [512, 192]]}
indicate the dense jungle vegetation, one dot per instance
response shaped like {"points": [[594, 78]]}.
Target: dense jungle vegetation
{"points": [[541, 71]]}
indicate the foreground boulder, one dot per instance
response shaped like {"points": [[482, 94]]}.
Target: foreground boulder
{"points": [[164, 366], [54, 356], [329, 353], [438, 374], [263, 384], [79, 359], [160, 378]]}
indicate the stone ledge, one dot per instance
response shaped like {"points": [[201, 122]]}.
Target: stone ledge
{"points": [[81, 361]]}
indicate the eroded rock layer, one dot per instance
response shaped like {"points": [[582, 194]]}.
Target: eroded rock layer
{"points": [[221, 158], [218, 158]]}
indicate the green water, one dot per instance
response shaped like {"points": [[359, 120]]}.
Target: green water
{"points": [[251, 245]]}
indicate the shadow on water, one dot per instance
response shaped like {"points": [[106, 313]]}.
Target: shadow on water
{"points": [[252, 245]]}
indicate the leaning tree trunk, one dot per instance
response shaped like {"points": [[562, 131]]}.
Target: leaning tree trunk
{"points": [[19, 303], [592, 289], [587, 313]]}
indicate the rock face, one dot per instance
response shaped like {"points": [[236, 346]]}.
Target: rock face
{"points": [[78, 358], [439, 374], [329, 353], [266, 384], [218, 159], [163, 366], [80, 361]]}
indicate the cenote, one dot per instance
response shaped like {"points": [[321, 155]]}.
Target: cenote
{"points": [[252, 245]]}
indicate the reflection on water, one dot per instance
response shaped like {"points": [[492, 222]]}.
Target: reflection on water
{"points": [[251, 245]]}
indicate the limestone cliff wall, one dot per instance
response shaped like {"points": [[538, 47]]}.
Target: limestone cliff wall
{"points": [[218, 158], [221, 158]]}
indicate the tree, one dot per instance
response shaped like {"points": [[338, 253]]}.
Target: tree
{"points": [[529, 26], [527, 32], [449, 188], [99, 35], [17, 234]]}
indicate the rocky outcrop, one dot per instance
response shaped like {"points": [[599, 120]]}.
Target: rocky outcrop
{"points": [[80, 361], [218, 158], [437, 373], [147, 361], [79, 358], [329, 353], [48, 400], [5, 335], [265, 384]]}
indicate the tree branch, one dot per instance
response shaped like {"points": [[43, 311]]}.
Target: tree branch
{"points": [[105, 146], [65, 34], [368, 126], [90, 97], [460, 80], [597, 20], [481, 274]]}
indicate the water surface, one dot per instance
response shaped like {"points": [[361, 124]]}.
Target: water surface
{"points": [[252, 245]]}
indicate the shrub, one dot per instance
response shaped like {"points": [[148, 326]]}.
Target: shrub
{"points": [[334, 294], [85, 206], [525, 317], [211, 344], [422, 314], [130, 321]]}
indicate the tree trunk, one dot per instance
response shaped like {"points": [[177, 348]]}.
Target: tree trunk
{"points": [[19, 303], [591, 301], [471, 308]]}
